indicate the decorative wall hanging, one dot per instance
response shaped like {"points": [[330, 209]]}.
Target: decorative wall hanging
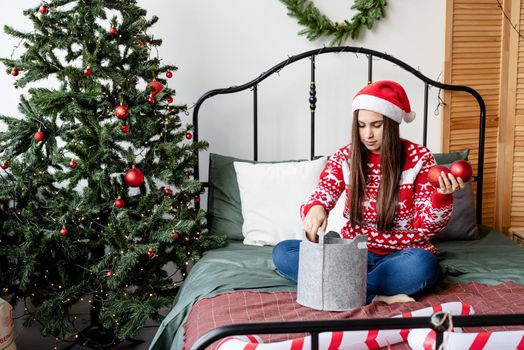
{"points": [[317, 24]]}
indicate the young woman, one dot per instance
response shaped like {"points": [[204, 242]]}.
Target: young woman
{"points": [[389, 198]]}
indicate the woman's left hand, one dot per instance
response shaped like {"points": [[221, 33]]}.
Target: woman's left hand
{"points": [[449, 184]]}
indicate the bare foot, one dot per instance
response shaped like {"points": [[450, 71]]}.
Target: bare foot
{"points": [[390, 299]]}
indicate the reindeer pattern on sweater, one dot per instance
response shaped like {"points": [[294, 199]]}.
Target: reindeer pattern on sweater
{"points": [[421, 211]]}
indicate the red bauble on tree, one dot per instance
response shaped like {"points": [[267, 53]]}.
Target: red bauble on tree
{"points": [[169, 99], [119, 203], [154, 87], [109, 273], [462, 169], [43, 9], [168, 192], [14, 72], [134, 177], [151, 100], [4, 165], [150, 253], [189, 135], [113, 31], [39, 136], [175, 235], [197, 199], [434, 172], [73, 164], [121, 112], [125, 129], [140, 43], [88, 71], [169, 74], [63, 232]]}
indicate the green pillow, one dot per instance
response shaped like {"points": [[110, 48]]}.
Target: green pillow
{"points": [[224, 213], [450, 157]]}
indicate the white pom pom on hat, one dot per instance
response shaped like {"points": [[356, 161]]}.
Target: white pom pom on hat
{"points": [[387, 98]]}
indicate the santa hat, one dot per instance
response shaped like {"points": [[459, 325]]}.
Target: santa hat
{"points": [[387, 98]]}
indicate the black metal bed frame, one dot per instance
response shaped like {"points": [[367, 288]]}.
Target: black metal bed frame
{"points": [[253, 84], [438, 320]]}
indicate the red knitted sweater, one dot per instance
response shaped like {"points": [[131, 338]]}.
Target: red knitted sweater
{"points": [[421, 211]]}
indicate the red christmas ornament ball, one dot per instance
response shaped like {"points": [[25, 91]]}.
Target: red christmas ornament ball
{"points": [[151, 100], [121, 112], [43, 9], [197, 199], [63, 232], [39, 136], [140, 43], [150, 253], [88, 71], [125, 129], [119, 203], [154, 87], [168, 191], [189, 135], [4, 165], [175, 235], [73, 164], [434, 172], [462, 169], [134, 177], [113, 31], [109, 273], [169, 99], [169, 74], [14, 72]]}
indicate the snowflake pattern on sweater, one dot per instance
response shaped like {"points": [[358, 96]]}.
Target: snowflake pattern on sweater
{"points": [[421, 211]]}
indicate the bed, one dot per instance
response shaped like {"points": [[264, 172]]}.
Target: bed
{"points": [[237, 284]]}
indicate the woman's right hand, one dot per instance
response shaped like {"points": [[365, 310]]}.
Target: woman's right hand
{"points": [[316, 218]]}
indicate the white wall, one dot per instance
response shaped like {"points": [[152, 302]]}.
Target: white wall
{"points": [[229, 42]]}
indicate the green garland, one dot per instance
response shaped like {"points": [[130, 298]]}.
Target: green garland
{"points": [[369, 11]]}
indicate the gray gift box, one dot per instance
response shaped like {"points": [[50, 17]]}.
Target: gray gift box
{"points": [[332, 274]]}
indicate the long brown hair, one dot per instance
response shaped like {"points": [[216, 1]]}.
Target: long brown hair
{"points": [[391, 164]]}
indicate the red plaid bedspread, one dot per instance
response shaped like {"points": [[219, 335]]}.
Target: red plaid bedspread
{"points": [[250, 306]]}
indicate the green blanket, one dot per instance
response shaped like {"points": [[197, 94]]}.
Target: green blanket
{"points": [[491, 260]]}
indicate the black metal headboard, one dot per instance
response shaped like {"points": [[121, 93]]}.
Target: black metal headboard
{"points": [[313, 99]]}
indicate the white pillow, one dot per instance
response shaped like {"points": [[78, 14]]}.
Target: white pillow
{"points": [[271, 195]]}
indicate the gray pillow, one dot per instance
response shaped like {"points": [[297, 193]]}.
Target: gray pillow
{"points": [[463, 222], [450, 157]]}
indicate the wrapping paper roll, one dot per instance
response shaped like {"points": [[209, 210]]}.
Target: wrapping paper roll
{"points": [[349, 340], [6, 326]]}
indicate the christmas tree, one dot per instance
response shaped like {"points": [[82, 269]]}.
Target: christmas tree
{"points": [[96, 188]]}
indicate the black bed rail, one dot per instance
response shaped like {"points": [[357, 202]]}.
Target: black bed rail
{"points": [[253, 84], [439, 322]]}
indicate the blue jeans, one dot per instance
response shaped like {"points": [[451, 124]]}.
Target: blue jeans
{"points": [[407, 271]]}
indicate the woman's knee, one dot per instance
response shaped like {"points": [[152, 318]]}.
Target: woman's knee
{"points": [[285, 251], [423, 263]]}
